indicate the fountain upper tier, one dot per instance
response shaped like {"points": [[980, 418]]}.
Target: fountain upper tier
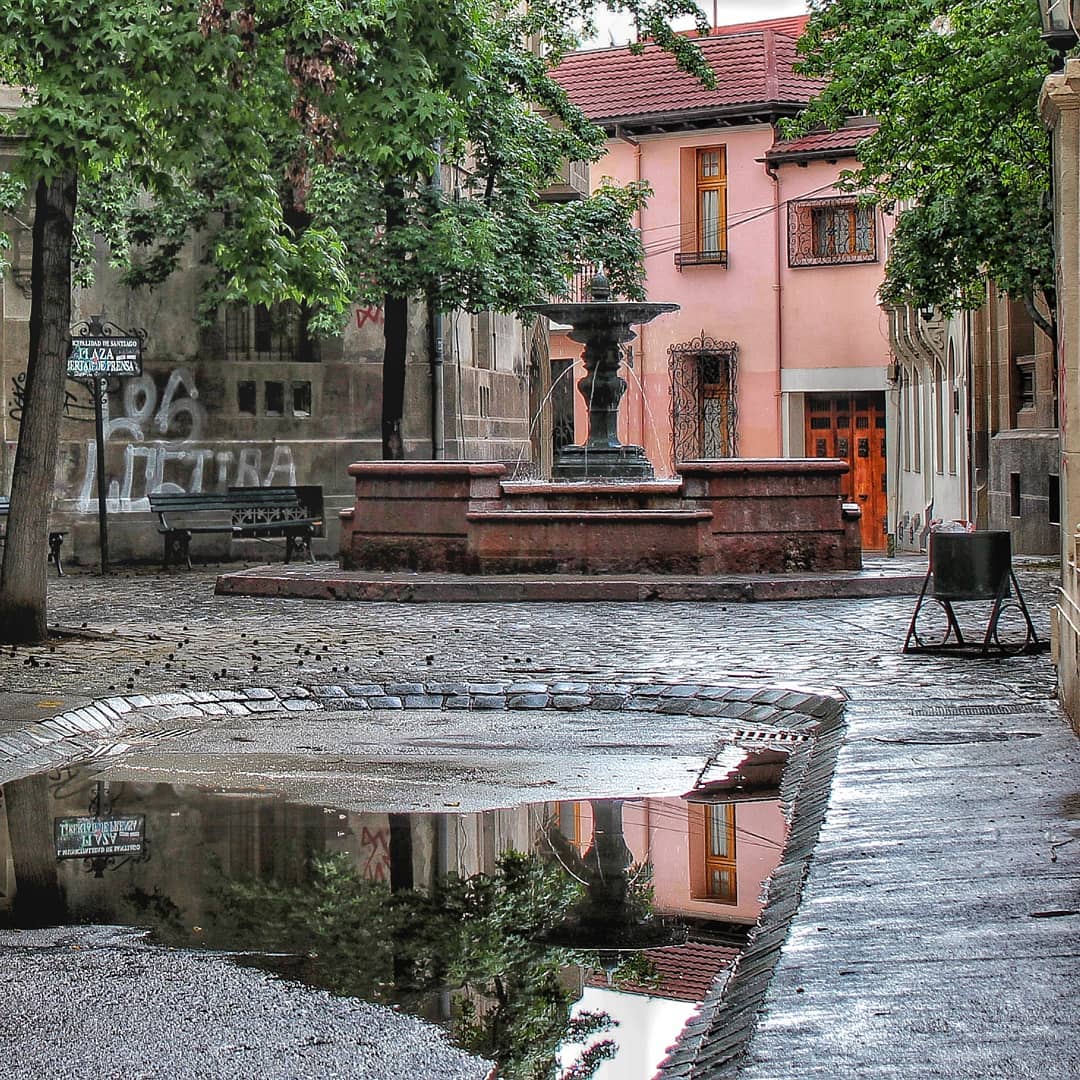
{"points": [[602, 325]]}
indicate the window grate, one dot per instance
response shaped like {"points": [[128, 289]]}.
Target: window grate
{"points": [[704, 399]]}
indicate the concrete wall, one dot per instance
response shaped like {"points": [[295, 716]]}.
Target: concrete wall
{"points": [[1023, 465]]}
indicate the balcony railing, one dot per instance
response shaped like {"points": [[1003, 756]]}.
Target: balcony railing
{"points": [[700, 258]]}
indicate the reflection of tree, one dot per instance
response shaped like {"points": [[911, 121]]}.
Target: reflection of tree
{"points": [[613, 910], [479, 938], [39, 899]]}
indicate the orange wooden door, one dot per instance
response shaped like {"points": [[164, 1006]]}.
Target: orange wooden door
{"points": [[852, 427]]}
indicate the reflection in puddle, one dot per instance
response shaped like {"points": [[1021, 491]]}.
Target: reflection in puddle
{"points": [[557, 932]]}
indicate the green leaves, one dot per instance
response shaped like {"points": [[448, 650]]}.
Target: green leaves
{"points": [[280, 127], [960, 151]]}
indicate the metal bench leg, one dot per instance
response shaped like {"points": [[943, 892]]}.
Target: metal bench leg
{"points": [[177, 546], [298, 542], [55, 540]]}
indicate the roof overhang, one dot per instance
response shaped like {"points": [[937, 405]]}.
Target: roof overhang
{"points": [[761, 112], [831, 153]]}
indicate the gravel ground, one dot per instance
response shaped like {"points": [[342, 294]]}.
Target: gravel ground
{"points": [[131, 1011]]}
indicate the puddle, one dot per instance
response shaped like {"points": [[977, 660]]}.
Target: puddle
{"points": [[544, 933]]}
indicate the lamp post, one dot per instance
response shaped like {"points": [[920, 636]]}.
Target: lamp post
{"points": [[1059, 19]]}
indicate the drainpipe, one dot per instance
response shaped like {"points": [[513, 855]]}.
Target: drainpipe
{"points": [[642, 411], [778, 314], [435, 323]]}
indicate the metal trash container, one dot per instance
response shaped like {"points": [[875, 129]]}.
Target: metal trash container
{"points": [[970, 565]]}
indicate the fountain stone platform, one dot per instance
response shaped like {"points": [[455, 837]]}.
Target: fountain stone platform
{"points": [[738, 515]]}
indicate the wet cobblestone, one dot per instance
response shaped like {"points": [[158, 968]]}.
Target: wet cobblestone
{"points": [[154, 649], [135, 633]]}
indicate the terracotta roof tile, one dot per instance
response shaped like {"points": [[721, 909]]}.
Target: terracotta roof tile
{"points": [[753, 63], [684, 972], [819, 143]]}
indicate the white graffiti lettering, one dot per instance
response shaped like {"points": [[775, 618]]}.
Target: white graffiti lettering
{"points": [[161, 451]]}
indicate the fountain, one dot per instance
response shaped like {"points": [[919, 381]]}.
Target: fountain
{"points": [[603, 512], [610, 917], [602, 325]]}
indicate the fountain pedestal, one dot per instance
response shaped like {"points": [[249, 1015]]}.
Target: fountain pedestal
{"points": [[720, 517], [602, 325]]}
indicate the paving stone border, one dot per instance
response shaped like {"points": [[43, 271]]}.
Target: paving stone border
{"points": [[807, 724], [714, 1041], [121, 714]]}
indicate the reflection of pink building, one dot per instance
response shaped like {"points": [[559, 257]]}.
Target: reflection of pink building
{"points": [[709, 860], [778, 349]]}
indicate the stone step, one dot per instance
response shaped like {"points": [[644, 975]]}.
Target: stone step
{"points": [[628, 514]]}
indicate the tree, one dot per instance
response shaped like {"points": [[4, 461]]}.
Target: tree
{"points": [[111, 87], [960, 151], [304, 134], [480, 938]]}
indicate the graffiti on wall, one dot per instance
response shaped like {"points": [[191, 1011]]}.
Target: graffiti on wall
{"points": [[365, 315], [163, 429], [375, 854], [79, 408]]}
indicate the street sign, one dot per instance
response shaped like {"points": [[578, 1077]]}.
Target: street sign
{"points": [[98, 357], [84, 837]]}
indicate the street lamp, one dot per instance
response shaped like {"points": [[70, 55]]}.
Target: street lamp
{"points": [[1059, 19]]}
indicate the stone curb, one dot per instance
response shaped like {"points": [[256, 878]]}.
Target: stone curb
{"points": [[79, 732], [715, 1040], [495, 589]]}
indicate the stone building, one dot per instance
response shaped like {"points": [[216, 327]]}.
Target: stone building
{"points": [[976, 407], [254, 400], [1061, 111]]}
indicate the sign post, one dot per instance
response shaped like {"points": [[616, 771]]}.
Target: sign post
{"points": [[94, 357]]}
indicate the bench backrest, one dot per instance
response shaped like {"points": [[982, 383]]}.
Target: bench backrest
{"points": [[162, 501], [310, 497], [247, 507], [5, 504]]}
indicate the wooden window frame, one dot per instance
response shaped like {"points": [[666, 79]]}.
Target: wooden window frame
{"points": [[706, 862], [717, 183], [693, 251]]}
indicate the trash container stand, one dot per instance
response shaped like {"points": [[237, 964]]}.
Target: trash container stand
{"points": [[1031, 642], [953, 623]]}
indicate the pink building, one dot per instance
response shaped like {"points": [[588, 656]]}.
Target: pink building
{"points": [[779, 349]]}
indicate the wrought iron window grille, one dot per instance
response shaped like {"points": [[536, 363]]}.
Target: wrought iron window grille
{"points": [[704, 399], [831, 232], [278, 333]]}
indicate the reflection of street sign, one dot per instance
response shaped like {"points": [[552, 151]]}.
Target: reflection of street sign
{"points": [[83, 837], [97, 357]]}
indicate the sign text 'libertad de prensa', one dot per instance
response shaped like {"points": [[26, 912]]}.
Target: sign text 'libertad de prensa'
{"points": [[97, 357]]}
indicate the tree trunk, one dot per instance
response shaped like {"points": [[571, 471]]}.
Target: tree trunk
{"points": [[22, 578], [39, 899], [395, 337]]}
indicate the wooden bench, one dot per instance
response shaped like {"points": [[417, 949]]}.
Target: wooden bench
{"points": [[247, 513], [56, 536]]}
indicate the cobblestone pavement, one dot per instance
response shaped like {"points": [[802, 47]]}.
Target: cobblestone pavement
{"points": [[938, 932], [143, 632]]}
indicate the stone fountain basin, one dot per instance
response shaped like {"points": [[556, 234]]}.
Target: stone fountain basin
{"points": [[739, 515]]}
